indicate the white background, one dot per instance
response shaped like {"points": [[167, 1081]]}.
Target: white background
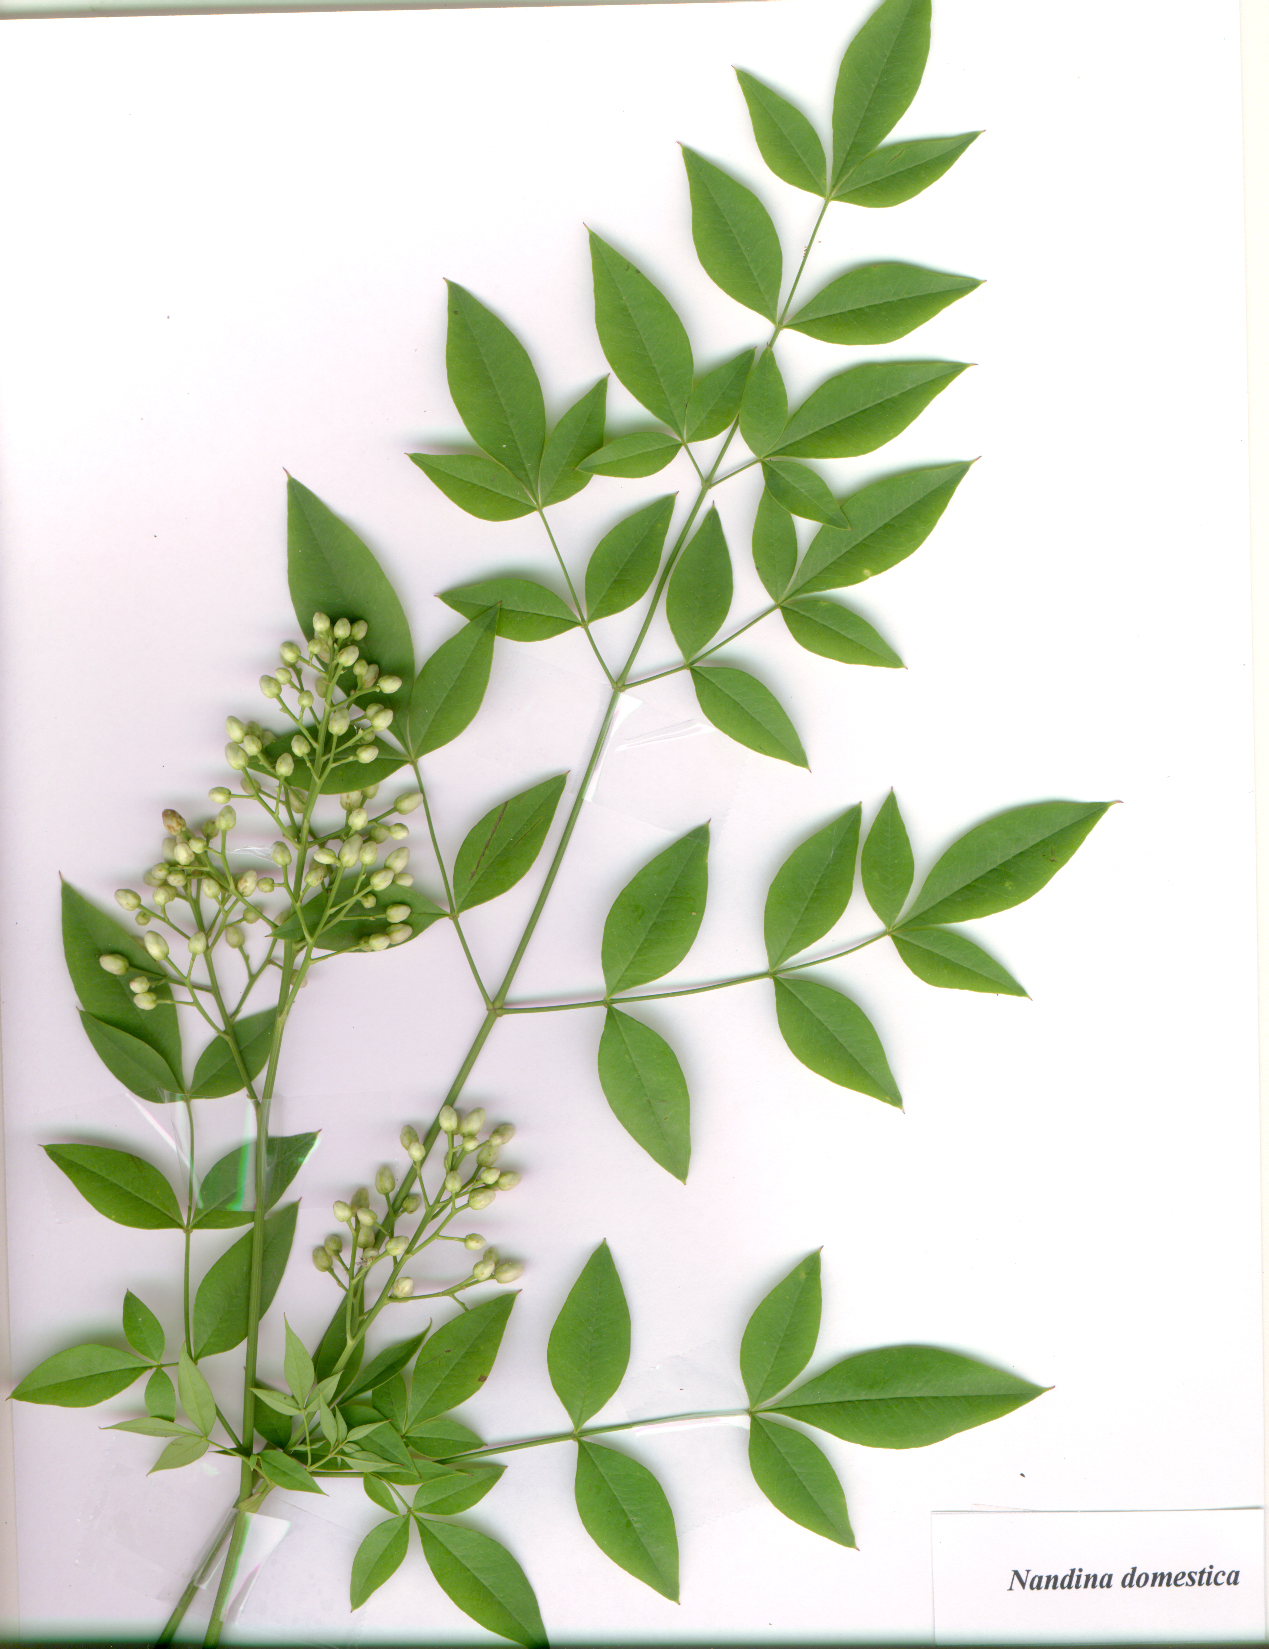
{"points": [[234, 232]]}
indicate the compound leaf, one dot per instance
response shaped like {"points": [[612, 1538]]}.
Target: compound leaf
{"points": [[378, 1558], [579, 433], [897, 172], [734, 236], [141, 1328], [716, 399], [775, 544], [217, 1071], [456, 1361], [785, 137], [484, 1580], [87, 935], [833, 631], [196, 1394], [632, 456], [862, 408], [886, 866], [764, 407], [220, 1305], [941, 957], [879, 302], [800, 490], [877, 80], [126, 1189], [80, 1377], [476, 484], [526, 610], [884, 522], [285, 1472]]}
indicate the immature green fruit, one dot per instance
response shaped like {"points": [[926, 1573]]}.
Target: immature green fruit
{"points": [[113, 963]]}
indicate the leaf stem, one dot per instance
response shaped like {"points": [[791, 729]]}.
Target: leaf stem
{"points": [[577, 602], [588, 1431], [674, 670]]}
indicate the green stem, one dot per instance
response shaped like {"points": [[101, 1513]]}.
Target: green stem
{"points": [[196, 1580], [589, 1431], [718, 645], [189, 1222], [577, 602]]}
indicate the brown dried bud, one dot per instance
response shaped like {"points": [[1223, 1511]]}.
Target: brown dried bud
{"points": [[173, 823]]}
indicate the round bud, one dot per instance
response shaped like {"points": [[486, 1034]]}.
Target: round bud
{"points": [[234, 936], [139, 984], [381, 718], [236, 757], [377, 942], [473, 1122], [403, 879], [127, 899], [370, 676], [283, 678], [290, 653], [409, 1136], [322, 1260], [396, 1246], [162, 895], [313, 877], [408, 802], [453, 1181], [367, 901], [341, 629], [360, 1198], [470, 1144], [399, 932], [368, 753], [502, 1133], [113, 963], [246, 883], [142, 918], [399, 832], [412, 1203], [398, 858], [359, 630], [284, 766], [358, 819], [176, 878], [447, 1120], [251, 745], [156, 944], [385, 1182], [508, 1181], [173, 823], [320, 624], [369, 853], [334, 1245], [300, 745], [339, 722], [349, 655], [226, 819], [403, 1288], [365, 1215], [169, 849], [280, 853], [381, 879], [236, 729], [473, 1239], [483, 1270], [146, 1000], [342, 1212], [155, 876], [350, 852], [390, 684], [271, 687], [266, 884], [416, 1152], [379, 833], [489, 1176], [508, 1271], [197, 943], [219, 794], [305, 700], [183, 853], [398, 913], [488, 1153], [324, 856], [481, 1198]]}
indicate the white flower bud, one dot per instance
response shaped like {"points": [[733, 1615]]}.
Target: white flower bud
{"points": [[359, 630], [342, 1212], [380, 880], [142, 918], [453, 1181], [413, 1202], [417, 1153], [155, 876], [371, 675], [398, 858], [409, 801], [350, 852], [226, 819], [246, 883], [313, 877], [236, 730], [305, 700], [398, 913], [266, 884], [360, 1198], [197, 943], [367, 901], [280, 853], [183, 853], [396, 1246], [399, 932], [489, 1176], [290, 653], [146, 1000], [469, 1145], [403, 879], [508, 1181], [349, 655], [322, 1260], [113, 964], [368, 753], [320, 624], [508, 1271], [480, 1199], [358, 819], [234, 936], [447, 1120], [339, 722], [473, 1239], [300, 745], [156, 944], [176, 878], [341, 629], [402, 1288], [334, 1245], [381, 718], [473, 1122], [390, 684], [162, 895], [365, 1214], [251, 745], [385, 1182], [219, 794], [324, 856], [139, 984], [285, 765], [368, 855], [236, 757], [377, 941], [502, 1133], [399, 832], [379, 833], [126, 898], [271, 687], [409, 1136], [250, 914], [483, 1270]]}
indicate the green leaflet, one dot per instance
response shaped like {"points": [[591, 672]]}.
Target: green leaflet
{"points": [[785, 137], [285, 1472], [589, 1347], [494, 387], [801, 491], [229, 1184], [740, 706], [833, 631], [904, 1397], [884, 522], [297, 1366], [379, 1492], [501, 849], [780, 1337], [220, 1305], [942, 957], [484, 1580], [124, 1188], [160, 1396], [699, 595], [862, 408], [217, 1072], [734, 236], [196, 1394], [527, 610], [579, 433], [764, 407], [150, 1428], [624, 1510], [378, 1558], [812, 888], [440, 1437], [183, 1452], [879, 302], [349, 931], [642, 338], [886, 866], [331, 571], [655, 918], [626, 559], [878, 78], [478, 485], [473, 1483], [833, 1037], [390, 1396], [775, 544], [716, 399], [896, 173], [80, 1377], [643, 1083], [456, 1361], [796, 1477], [132, 1062], [448, 690], [1003, 861], [87, 935], [385, 1365], [631, 456], [142, 1329]]}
